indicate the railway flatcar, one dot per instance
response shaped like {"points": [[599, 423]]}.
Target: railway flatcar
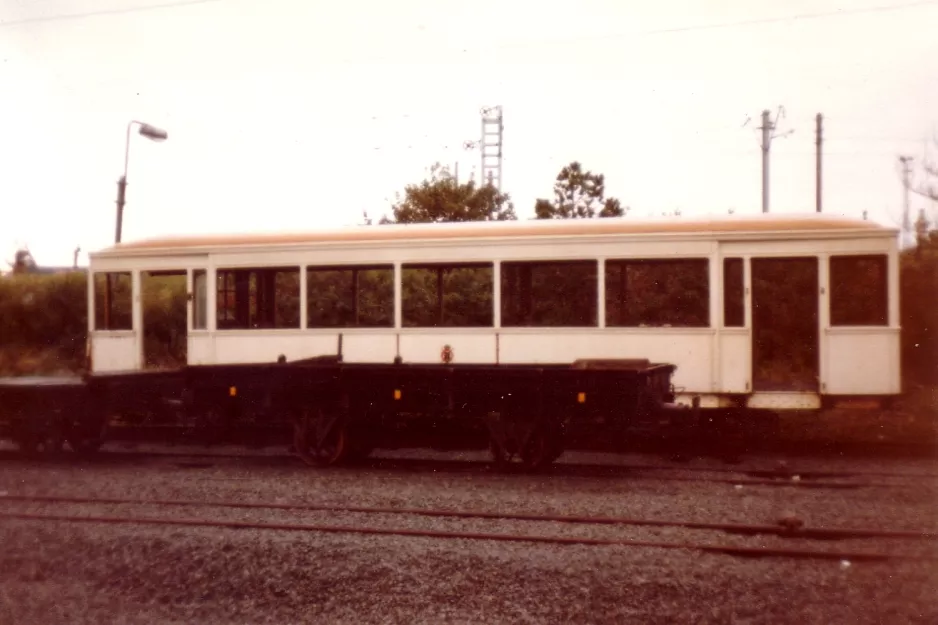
{"points": [[753, 315]]}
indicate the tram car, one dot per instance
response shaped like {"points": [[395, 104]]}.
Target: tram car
{"points": [[507, 333]]}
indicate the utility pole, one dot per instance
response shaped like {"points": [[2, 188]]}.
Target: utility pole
{"points": [[921, 229], [819, 121], [906, 172], [767, 128], [490, 147]]}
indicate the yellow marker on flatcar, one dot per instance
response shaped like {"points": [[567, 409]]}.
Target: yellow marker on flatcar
{"points": [[581, 398], [397, 393], [233, 391]]}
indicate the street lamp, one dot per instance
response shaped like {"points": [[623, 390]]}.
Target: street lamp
{"points": [[153, 134]]}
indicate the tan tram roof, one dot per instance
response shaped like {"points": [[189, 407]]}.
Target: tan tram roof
{"points": [[777, 224]]}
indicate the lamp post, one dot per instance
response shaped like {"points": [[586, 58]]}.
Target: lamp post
{"points": [[150, 132], [154, 134]]}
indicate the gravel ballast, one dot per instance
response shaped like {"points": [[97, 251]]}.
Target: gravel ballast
{"points": [[55, 572]]}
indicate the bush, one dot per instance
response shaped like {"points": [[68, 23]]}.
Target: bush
{"points": [[918, 286], [44, 312]]}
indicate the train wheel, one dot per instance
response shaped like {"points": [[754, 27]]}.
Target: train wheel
{"points": [[538, 451], [321, 439], [86, 444], [359, 451], [47, 445]]}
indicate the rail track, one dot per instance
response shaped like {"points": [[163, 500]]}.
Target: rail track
{"points": [[783, 529], [781, 475]]}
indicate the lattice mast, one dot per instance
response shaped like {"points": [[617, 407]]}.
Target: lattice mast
{"points": [[490, 146]]}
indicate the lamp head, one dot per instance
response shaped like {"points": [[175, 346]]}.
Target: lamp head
{"points": [[153, 133]]}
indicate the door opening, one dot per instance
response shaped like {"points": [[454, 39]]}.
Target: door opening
{"points": [[164, 319], [785, 332]]}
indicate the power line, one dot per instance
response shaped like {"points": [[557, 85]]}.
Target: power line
{"points": [[747, 22], [640, 33], [876, 139], [103, 12]]}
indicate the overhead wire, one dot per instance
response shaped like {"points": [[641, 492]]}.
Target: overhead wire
{"points": [[654, 31], [769, 20], [104, 12]]}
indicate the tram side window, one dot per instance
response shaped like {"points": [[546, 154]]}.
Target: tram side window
{"points": [[859, 294], [561, 294], [258, 298], [447, 296], [734, 299], [113, 297], [199, 300], [350, 297], [658, 293]]}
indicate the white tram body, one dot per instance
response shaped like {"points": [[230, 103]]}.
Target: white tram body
{"points": [[716, 354]]}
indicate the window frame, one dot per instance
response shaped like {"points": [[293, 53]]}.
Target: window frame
{"points": [[507, 297], [356, 270], [884, 260], [258, 304], [621, 263], [725, 303], [441, 268]]}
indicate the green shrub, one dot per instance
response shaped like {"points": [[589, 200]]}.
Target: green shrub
{"points": [[44, 312]]}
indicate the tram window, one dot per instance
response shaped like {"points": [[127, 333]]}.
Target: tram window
{"points": [[258, 298], [113, 297], [859, 294], [446, 296], [734, 302], [350, 297], [199, 300], [658, 293], [561, 294]]}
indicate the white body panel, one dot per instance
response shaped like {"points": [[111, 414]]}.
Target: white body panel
{"points": [[861, 361], [115, 350], [735, 361], [200, 348], [713, 362]]}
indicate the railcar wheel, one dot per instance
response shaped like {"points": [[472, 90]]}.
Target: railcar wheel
{"points": [[321, 439], [359, 452], [86, 444], [536, 451], [47, 445]]}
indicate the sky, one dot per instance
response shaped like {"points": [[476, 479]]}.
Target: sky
{"points": [[302, 114]]}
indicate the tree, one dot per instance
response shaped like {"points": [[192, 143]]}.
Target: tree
{"points": [[442, 198], [929, 187], [578, 194], [917, 286], [23, 262]]}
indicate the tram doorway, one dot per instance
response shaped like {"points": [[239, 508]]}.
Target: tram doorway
{"points": [[785, 334], [164, 319]]}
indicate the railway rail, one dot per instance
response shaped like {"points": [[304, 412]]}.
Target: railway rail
{"points": [[783, 529], [780, 476]]}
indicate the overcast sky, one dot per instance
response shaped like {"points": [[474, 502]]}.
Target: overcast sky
{"points": [[292, 114]]}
